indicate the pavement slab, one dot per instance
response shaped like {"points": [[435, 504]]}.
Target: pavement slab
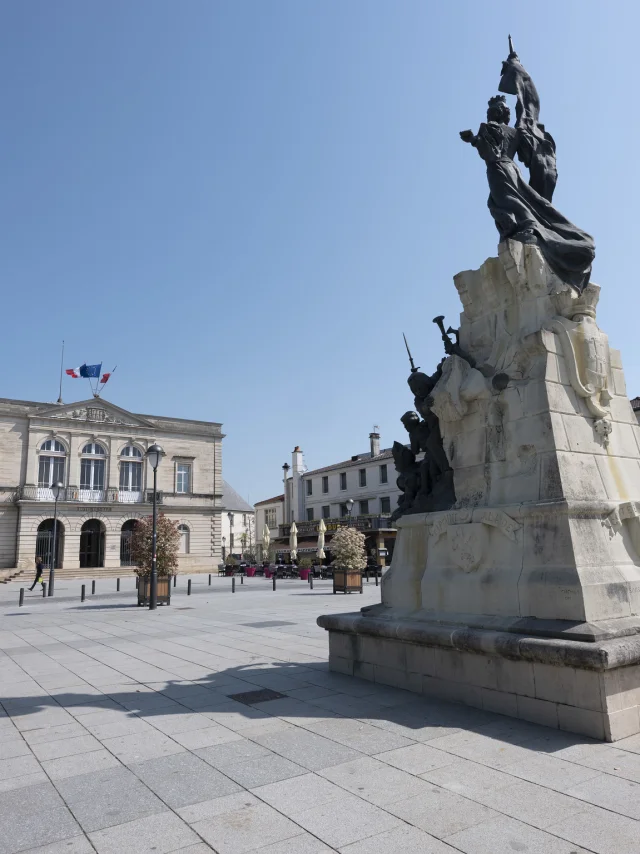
{"points": [[119, 733]]}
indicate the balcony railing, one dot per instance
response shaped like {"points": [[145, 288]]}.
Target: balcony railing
{"points": [[362, 523], [113, 495]]}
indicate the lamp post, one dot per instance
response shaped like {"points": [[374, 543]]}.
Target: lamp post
{"points": [[154, 455], [349, 504], [230, 518], [57, 491], [224, 549], [288, 515]]}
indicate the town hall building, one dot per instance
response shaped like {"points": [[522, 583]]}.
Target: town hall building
{"points": [[96, 450]]}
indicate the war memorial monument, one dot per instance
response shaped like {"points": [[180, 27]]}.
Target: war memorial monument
{"points": [[515, 582]]}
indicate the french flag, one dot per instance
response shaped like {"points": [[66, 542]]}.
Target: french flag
{"points": [[86, 371]]}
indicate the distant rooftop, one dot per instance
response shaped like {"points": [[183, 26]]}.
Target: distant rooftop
{"points": [[232, 501], [356, 460], [635, 404], [270, 500]]}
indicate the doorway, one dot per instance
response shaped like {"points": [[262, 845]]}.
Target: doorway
{"points": [[126, 533], [92, 544], [44, 542]]}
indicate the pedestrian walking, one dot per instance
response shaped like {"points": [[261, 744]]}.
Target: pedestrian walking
{"points": [[39, 571]]}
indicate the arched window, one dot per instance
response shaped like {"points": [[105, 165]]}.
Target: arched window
{"points": [[130, 474], [94, 449], [131, 451], [51, 467], [54, 446], [92, 472], [185, 535]]}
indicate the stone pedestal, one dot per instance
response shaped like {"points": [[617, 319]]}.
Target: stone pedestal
{"points": [[524, 598]]}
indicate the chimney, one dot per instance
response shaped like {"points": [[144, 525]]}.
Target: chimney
{"points": [[374, 438], [297, 497]]}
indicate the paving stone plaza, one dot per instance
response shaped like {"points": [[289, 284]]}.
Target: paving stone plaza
{"points": [[125, 731]]}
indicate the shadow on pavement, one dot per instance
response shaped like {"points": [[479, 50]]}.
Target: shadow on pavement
{"points": [[316, 693]]}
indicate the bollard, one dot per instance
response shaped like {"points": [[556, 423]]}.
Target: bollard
{"points": [[21, 600], [311, 582], [82, 593], [376, 577], [242, 579], [44, 589], [274, 582], [233, 584], [93, 586], [137, 583], [175, 578], [209, 579], [366, 575], [189, 587], [117, 584]]}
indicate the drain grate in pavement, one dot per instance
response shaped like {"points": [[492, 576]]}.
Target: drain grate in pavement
{"points": [[249, 698], [268, 624]]}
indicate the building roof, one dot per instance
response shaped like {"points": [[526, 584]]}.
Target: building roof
{"points": [[273, 500], [232, 501], [28, 405], [635, 403], [358, 461]]}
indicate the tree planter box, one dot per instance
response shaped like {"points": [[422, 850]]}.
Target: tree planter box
{"points": [[347, 580], [164, 589], [251, 571], [304, 574]]}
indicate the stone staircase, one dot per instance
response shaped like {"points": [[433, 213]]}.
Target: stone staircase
{"points": [[7, 575]]}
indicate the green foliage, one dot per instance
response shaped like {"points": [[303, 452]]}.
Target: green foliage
{"points": [[231, 561], [167, 546], [305, 563]]}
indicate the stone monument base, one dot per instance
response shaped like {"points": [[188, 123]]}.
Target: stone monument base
{"points": [[591, 688]]}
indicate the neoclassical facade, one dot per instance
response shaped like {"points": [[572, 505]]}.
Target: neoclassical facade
{"points": [[97, 451]]}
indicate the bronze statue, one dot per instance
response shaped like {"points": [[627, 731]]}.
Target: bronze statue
{"points": [[408, 480], [522, 211], [428, 484]]}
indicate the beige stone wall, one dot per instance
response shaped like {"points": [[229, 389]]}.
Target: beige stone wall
{"points": [[8, 525], [13, 436], [24, 426], [203, 551]]}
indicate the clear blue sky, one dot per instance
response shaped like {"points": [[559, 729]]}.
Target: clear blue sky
{"points": [[244, 204]]}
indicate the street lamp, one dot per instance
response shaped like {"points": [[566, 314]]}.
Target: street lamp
{"points": [[349, 503], [230, 518], [224, 549], [56, 488], [154, 455], [285, 470]]}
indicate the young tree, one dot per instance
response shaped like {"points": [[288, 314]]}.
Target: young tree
{"points": [[167, 545], [347, 546]]}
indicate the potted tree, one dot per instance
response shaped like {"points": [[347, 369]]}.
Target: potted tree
{"points": [[230, 565], [167, 545], [304, 567], [347, 546]]}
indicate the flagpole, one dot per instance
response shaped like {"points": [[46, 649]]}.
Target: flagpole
{"points": [[61, 368]]}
